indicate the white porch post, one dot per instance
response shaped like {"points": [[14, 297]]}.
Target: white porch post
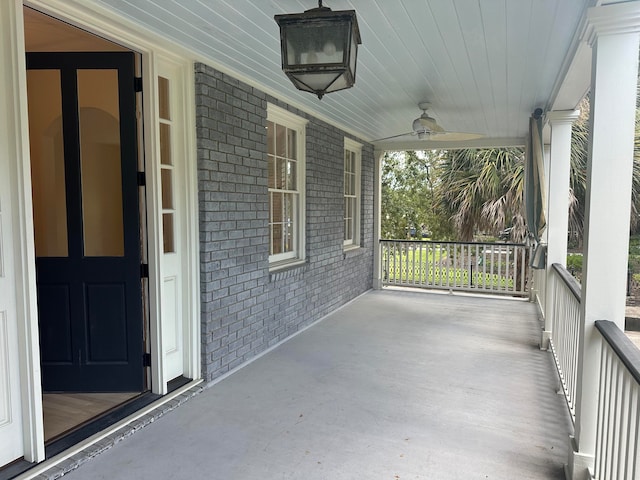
{"points": [[377, 222], [613, 34], [557, 206]]}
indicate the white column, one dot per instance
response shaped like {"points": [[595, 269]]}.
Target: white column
{"points": [[613, 34], [557, 206], [377, 206]]}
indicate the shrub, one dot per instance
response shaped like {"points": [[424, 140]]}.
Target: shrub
{"points": [[574, 262]]}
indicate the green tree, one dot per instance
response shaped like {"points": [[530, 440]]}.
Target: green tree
{"points": [[407, 193]]}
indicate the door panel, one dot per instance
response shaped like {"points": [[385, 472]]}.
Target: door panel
{"points": [[10, 409], [106, 314], [11, 432], [89, 296], [55, 330], [172, 327]]}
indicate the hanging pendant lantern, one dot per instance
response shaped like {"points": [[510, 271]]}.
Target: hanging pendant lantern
{"points": [[320, 49]]}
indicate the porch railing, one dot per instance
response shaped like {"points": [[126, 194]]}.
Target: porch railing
{"points": [[617, 444], [539, 288], [564, 341], [617, 448], [497, 268]]}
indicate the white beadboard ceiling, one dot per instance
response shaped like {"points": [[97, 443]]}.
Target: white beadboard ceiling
{"points": [[484, 65]]}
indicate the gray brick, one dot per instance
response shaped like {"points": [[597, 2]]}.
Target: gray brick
{"points": [[245, 309]]}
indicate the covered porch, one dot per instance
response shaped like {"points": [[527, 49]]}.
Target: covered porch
{"points": [[397, 384]]}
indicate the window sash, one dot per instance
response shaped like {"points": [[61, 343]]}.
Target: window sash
{"points": [[285, 155], [351, 192], [282, 231]]}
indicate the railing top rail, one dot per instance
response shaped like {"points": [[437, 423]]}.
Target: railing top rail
{"points": [[624, 348], [571, 283], [455, 243]]}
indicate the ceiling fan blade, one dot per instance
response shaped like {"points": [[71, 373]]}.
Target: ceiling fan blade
{"points": [[445, 136], [393, 136], [426, 127], [440, 136]]}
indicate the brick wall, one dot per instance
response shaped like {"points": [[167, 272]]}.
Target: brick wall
{"points": [[245, 309]]}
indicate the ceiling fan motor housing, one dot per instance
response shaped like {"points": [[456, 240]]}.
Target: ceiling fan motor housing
{"points": [[425, 122]]}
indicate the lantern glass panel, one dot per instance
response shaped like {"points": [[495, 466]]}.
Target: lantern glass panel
{"points": [[310, 44], [317, 81], [339, 84], [354, 56]]}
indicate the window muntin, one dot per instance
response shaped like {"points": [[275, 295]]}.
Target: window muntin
{"points": [[167, 167], [351, 216], [285, 155]]}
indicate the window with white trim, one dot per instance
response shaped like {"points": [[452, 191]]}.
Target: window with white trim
{"points": [[352, 154], [286, 183]]}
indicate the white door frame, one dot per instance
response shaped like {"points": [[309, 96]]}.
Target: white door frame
{"points": [[173, 276], [99, 20], [16, 148]]}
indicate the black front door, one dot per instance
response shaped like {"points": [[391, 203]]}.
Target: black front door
{"points": [[86, 220]]}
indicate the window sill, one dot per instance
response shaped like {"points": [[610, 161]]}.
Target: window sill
{"points": [[282, 270], [351, 250]]}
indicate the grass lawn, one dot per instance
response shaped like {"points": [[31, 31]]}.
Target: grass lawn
{"points": [[428, 266]]}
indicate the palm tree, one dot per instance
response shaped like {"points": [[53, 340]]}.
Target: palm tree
{"points": [[482, 190], [578, 172], [635, 190], [578, 175]]}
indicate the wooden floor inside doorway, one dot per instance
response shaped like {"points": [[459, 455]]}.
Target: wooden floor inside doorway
{"points": [[66, 411]]}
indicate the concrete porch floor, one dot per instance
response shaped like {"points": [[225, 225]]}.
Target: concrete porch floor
{"points": [[396, 385]]}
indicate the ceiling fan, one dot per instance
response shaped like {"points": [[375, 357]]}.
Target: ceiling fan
{"points": [[425, 127]]}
